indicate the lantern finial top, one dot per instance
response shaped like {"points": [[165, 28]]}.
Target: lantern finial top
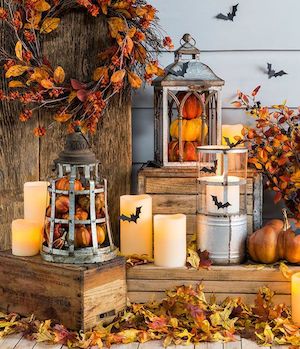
{"points": [[187, 47]]}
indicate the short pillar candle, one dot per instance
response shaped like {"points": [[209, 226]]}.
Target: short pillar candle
{"points": [[295, 285], [26, 238], [170, 240], [136, 232]]}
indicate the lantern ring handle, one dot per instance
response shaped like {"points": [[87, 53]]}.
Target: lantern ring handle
{"points": [[187, 38]]}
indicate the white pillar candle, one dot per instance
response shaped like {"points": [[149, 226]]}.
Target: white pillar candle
{"points": [[295, 285], [229, 193], [36, 200], [170, 240], [26, 237], [230, 131], [136, 237]]}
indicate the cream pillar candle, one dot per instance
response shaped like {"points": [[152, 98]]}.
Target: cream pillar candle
{"points": [[36, 200], [230, 194], [136, 237], [170, 240], [231, 131], [295, 293], [26, 237]]}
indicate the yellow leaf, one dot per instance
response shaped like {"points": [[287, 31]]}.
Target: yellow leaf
{"points": [[62, 117], [193, 258], [19, 50], [59, 75], [131, 32], [46, 83], [72, 95], [16, 70], [100, 73], [42, 6], [49, 25], [38, 75], [33, 22], [15, 83], [117, 76], [285, 270], [134, 80], [116, 25], [129, 45]]}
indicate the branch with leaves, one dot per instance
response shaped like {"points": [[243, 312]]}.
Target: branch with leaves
{"points": [[33, 81]]}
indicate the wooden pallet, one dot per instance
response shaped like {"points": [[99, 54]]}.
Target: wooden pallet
{"points": [[174, 190], [148, 282]]}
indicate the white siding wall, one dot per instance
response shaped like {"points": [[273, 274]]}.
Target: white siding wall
{"points": [[263, 31]]}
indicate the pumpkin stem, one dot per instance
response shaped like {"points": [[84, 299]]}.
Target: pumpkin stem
{"points": [[286, 224]]}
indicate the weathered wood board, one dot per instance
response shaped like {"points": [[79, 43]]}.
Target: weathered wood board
{"points": [[148, 282], [74, 46], [174, 190], [77, 296]]}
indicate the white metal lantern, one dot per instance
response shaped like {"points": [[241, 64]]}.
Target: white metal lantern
{"points": [[222, 203], [187, 107]]}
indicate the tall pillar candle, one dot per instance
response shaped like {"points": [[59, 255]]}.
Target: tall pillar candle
{"points": [[36, 200], [26, 237], [295, 293], [136, 232], [170, 240]]}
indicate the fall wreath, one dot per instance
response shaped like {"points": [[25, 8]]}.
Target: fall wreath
{"points": [[31, 79]]}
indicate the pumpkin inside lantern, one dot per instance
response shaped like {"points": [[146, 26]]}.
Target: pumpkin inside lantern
{"points": [[192, 106]]}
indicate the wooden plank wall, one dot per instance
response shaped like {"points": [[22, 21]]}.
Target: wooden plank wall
{"points": [[25, 158], [237, 51]]}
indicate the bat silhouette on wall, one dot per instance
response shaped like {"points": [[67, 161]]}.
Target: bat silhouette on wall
{"points": [[230, 144], [230, 15], [133, 217], [211, 169], [180, 72], [219, 204], [272, 73]]}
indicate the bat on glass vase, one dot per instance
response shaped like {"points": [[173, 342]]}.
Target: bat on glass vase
{"points": [[220, 204], [133, 217], [211, 169]]}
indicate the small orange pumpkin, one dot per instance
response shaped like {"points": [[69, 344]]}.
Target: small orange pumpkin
{"points": [[62, 204], [191, 130], [192, 107], [83, 237], [64, 184], [189, 151], [101, 233]]}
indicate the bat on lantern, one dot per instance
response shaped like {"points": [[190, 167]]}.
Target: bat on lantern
{"points": [[230, 15], [230, 144], [272, 73], [219, 204], [211, 169], [133, 217], [182, 71]]}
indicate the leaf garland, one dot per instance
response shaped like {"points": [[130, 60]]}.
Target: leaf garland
{"points": [[185, 316], [133, 29]]}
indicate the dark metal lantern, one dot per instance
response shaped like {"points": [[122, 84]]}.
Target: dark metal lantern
{"points": [[68, 237]]}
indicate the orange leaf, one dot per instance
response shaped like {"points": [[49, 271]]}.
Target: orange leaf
{"points": [[134, 80], [41, 6], [236, 104], [47, 83], [33, 22], [59, 75], [262, 153], [72, 95], [116, 25], [63, 117], [19, 50], [255, 91], [101, 73], [129, 45], [16, 70], [117, 76], [153, 69], [38, 75], [15, 83], [277, 197], [49, 25]]}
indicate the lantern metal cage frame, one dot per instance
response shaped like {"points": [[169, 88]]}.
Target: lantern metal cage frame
{"points": [[81, 164], [191, 76]]}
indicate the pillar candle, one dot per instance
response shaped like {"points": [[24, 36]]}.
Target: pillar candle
{"points": [[295, 285], [170, 240], [26, 237], [229, 193], [136, 237], [36, 200], [230, 131]]}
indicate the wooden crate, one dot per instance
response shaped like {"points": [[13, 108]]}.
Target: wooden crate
{"points": [[78, 296], [148, 282], [174, 190]]}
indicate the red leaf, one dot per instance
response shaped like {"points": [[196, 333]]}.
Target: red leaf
{"points": [[82, 95], [205, 262], [255, 91], [277, 197], [77, 85]]}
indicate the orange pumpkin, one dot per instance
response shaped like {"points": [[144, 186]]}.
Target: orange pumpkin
{"points": [[191, 130], [189, 151], [192, 107], [80, 214], [62, 204], [83, 237], [64, 184], [101, 233], [289, 241], [262, 244]]}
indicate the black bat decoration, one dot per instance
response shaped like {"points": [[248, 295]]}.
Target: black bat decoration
{"points": [[181, 72], [230, 15], [272, 73], [219, 204], [133, 217], [211, 169], [232, 145]]}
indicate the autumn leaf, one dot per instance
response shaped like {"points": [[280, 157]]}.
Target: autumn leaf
{"points": [[77, 85], [16, 70], [82, 95], [15, 83], [118, 76], [129, 46], [41, 6], [62, 117], [47, 83], [153, 69], [255, 91], [285, 270], [116, 25], [205, 262], [193, 258], [101, 73], [49, 24], [134, 80], [277, 197], [33, 21], [236, 104], [71, 96], [59, 75], [19, 50], [38, 75]]}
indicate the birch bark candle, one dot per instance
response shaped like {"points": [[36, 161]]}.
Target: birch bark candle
{"points": [[170, 240], [295, 293], [36, 200], [136, 225], [26, 238]]}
